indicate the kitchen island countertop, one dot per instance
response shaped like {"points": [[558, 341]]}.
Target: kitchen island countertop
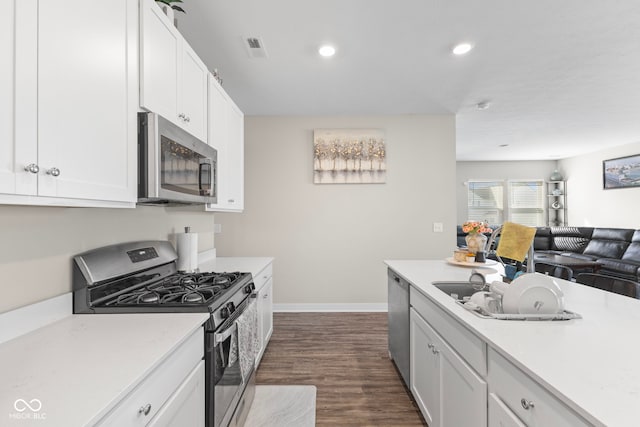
{"points": [[590, 364]]}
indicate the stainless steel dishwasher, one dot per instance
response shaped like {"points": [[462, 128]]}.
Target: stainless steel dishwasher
{"points": [[398, 302]]}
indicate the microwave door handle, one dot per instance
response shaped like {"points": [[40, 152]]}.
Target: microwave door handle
{"points": [[203, 162]]}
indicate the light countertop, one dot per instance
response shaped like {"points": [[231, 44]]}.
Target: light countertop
{"points": [[591, 364], [81, 366]]}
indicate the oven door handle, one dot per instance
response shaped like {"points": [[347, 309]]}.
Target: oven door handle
{"points": [[220, 337]]}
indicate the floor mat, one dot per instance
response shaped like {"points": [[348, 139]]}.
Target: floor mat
{"points": [[283, 406]]}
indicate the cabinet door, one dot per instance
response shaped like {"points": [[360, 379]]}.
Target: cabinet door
{"points": [[235, 158], [463, 393], [87, 90], [18, 96], [186, 407], [425, 369], [265, 318], [500, 415], [160, 44], [193, 93], [226, 135]]}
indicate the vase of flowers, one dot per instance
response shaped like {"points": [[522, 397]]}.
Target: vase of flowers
{"points": [[476, 240]]}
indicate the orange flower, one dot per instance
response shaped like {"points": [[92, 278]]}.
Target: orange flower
{"points": [[476, 227]]}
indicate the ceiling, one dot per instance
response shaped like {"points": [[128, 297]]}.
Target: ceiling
{"points": [[562, 77]]}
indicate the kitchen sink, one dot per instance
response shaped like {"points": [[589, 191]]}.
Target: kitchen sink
{"points": [[458, 290], [462, 291]]}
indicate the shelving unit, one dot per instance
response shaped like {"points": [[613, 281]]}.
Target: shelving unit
{"points": [[557, 203]]}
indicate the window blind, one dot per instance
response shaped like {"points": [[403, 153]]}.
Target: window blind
{"points": [[485, 201], [526, 202]]}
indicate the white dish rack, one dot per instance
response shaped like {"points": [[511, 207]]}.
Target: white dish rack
{"points": [[481, 312]]}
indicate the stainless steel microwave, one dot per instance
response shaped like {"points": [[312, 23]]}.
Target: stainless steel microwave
{"points": [[174, 167]]}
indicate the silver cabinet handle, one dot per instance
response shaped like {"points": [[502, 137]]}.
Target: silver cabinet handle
{"points": [[265, 296], [53, 172], [430, 346], [33, 168], [526, 404], [187, 119], [231, 200], [434, 350], [145, 409], [182, 116]]}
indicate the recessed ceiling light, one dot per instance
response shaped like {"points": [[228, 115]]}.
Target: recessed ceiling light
{"points": [[503, 145], [327, 50], [483, 105], [462, 48]]}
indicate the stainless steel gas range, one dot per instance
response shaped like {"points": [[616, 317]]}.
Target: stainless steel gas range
{"points": [[141, 277]]}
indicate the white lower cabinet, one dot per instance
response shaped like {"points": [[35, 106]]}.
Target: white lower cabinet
{"points": [[526, 399], [448, 391], [171, 395], [187, 405], [500, 415], [264, 286]]}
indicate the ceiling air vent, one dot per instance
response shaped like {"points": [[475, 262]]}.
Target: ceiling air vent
{"points": [[255, 47]]}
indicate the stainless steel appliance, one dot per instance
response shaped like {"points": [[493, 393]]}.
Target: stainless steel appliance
{"points": [[141, 277], [398, 312], [174, 167]]}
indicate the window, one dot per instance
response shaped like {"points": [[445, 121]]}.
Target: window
{"points": [[519, 201], [526, 202], [485, 201]]}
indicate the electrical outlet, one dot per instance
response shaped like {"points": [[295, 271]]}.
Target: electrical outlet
{"points": [[438, 227], [217, 228]]}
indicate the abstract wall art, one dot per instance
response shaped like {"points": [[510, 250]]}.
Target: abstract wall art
{"points": [[349, 156]]}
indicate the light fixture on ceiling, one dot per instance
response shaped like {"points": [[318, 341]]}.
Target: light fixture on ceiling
{"points": [[462, 48], [503, 145], [327, 50], [483, 105]]}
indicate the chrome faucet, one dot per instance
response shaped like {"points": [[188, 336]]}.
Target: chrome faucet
{"points": [[531, 268]]}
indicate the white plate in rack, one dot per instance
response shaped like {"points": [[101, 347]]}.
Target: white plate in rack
{"points": [[489, 263]]}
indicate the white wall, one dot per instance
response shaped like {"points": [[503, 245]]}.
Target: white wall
{"points": [[588, 203], [330, 241], [466, 171], [37, 243]]}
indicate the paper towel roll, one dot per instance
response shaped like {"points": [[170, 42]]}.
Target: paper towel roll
{"points": [[187, 252]]}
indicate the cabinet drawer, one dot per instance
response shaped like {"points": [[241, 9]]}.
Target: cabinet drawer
{"points": [[464, 342], [261, 278], [519, 392], [158, 386]]}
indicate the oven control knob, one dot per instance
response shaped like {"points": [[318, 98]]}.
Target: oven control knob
{"points": [[231, 307], [249, 288], [224, 312]]}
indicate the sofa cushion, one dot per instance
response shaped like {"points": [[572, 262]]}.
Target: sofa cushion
{"points": [[542, 239], [569, 243], [629, 268], [580, 256], [622, 234], [632, 253], [606, 248], [636, 237], [585, 232]]}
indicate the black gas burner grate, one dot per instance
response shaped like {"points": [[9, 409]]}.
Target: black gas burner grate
{"points": [[179, 289]]}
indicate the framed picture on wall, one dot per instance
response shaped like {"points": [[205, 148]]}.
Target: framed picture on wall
{"points": [[622, 172]]}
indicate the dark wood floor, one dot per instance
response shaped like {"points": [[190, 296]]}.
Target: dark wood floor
{"points": [[345, 356]]}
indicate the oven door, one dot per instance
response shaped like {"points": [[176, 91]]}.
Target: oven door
{"points": [[225, 382]]}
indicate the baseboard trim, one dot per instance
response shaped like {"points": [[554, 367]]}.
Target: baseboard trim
{"points": [[346, 307]]}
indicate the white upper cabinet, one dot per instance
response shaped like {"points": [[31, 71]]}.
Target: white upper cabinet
{"points": [[226, 135], [173, 79], [69, 102]]}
